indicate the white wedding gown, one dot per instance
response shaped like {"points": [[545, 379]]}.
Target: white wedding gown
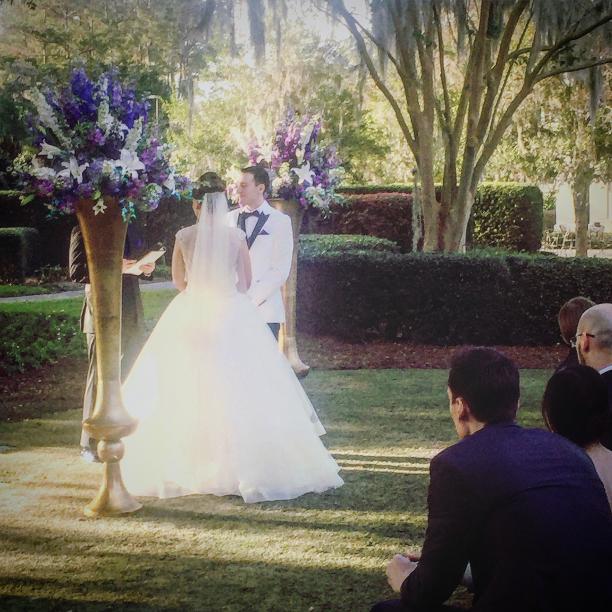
{"points": [[220, 410]]}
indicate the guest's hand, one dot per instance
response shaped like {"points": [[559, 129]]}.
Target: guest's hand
{"points": [[147, 269], [126, 264], [398, 569]]}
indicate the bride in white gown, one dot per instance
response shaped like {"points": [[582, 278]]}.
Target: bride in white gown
{"points": [[220, 409]]}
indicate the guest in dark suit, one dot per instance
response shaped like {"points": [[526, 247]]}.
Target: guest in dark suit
{"points": [[594, 344], [524, 507], [132, 318], [568, 317]]}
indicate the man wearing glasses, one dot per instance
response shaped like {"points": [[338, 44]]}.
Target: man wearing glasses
{"points": [[593, 341]]}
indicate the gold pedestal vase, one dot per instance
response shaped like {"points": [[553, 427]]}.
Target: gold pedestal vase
{"points": [[287, 336], [104, 238]]}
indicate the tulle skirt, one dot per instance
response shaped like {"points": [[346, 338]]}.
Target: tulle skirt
{"points": [[220, 410]]}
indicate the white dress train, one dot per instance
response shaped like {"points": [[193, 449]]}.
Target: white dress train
{"points": [[220, 410]]}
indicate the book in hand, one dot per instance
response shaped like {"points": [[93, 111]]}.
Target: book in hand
{"points": [[148, 258]]}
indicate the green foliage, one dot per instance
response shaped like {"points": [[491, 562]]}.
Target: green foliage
{"points": [[385, 215], [508, 216], [19, 252], [390, 188], [444, 299], [312, 245], [170, 216], [30, 340], [54, 232], [504, 216]]}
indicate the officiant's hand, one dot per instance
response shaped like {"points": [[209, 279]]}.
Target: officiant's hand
{"points": [[147, 269], [398, 569], [126, 264]]}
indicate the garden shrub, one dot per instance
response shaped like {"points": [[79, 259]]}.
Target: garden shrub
{"points": [[508, 216], [169, 217], [19, 252], [319, 244], [443, 299], [29, 340], [54, 231], [384, 215], [505, 215]]}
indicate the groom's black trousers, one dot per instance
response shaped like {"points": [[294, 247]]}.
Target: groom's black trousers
{"points": [[274, 328]]}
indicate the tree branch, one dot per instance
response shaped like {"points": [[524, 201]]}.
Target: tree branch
{"points": [[607, 60], [363, 52], [558, 47], [495, 75]]}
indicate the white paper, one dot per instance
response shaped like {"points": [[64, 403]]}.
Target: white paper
{"points": [[150, 257]]}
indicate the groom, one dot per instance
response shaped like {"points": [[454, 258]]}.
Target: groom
{"points": [[270, 241]]}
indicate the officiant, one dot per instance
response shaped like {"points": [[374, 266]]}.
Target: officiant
{"points": [[132, 317]]}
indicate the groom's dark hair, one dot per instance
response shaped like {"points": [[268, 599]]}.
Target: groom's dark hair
{"points": [[260, 176]]}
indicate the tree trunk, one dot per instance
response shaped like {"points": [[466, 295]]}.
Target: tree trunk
{"points": [[580, 195]]}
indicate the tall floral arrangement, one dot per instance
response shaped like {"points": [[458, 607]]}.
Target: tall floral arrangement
{"points": [[91, 140], [300, 167]]}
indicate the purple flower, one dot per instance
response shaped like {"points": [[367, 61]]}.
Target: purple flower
{"points": [[97, 137], [84, 190], [148, 156], [44, 188]]}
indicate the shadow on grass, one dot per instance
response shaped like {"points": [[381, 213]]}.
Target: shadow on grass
{"points": [[191, 582], [60, 604]]}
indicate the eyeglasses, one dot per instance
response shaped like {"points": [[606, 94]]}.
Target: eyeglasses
{"points": [[574, 339]]}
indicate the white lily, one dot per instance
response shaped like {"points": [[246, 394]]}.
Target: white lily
{"points": [[304, 173], [129, 163], [99, 206], [49, 151], [72, 168]]}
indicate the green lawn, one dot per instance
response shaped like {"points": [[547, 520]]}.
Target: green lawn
{"points": [[16, 290], [319, 552], [154, 303]]}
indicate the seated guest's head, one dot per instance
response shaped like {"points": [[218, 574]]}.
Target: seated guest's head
{"points": [[483, 388], [575, 405], [569, 315], [594, 336]]}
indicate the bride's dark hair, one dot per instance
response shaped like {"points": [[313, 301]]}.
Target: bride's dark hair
{"points": [[209, 182]]}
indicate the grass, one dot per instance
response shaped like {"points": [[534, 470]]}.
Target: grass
{"points": [[319, 552], [16, 290], [154, 303]]}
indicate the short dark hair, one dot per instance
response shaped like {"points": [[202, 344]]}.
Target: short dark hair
{"points": [[569, 315], [488, 381], [260, 176], [575, 405]]}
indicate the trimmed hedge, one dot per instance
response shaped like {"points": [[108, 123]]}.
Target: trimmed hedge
{"points": [[19, 252], [384, 215], [504, 215], [29, 340], [444, 299], [391, 188], [54, 232], [508, 216], [312, 245]]}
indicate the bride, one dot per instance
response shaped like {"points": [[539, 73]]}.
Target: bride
{"points": [[220, 408]]}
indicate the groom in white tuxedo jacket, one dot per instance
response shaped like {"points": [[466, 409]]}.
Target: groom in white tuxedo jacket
{"points": [[270, 241]]}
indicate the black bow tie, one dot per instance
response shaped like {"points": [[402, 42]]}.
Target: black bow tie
{"points": [[246, 215]]}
